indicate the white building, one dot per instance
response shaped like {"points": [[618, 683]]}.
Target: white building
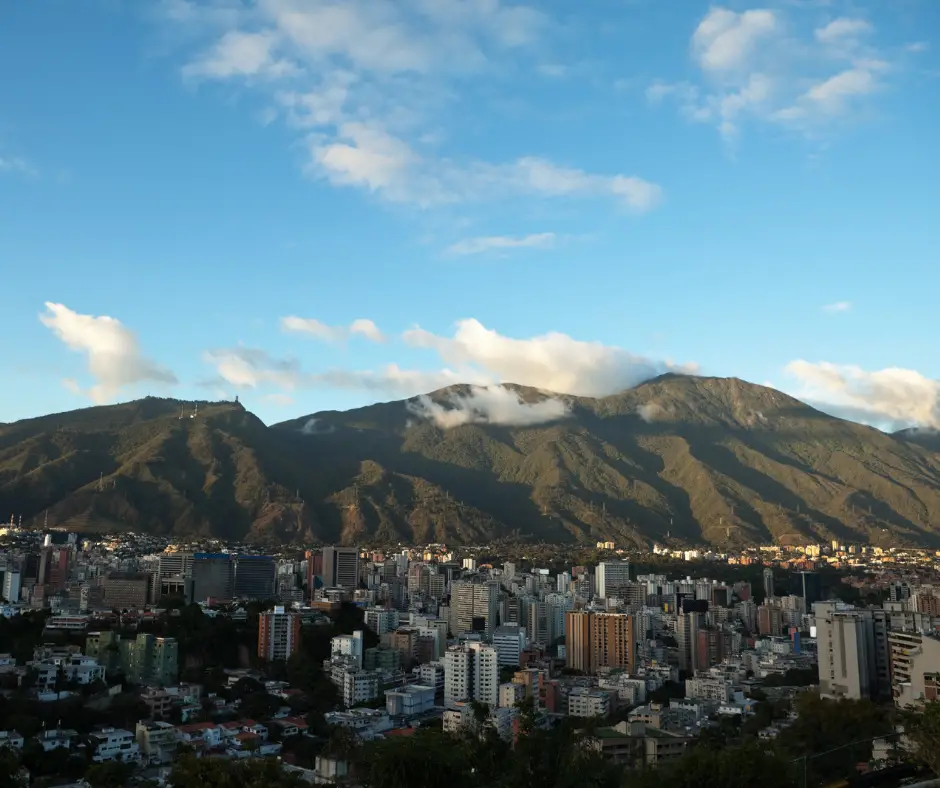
{"points": [[381, 621], [511, 694], [357, 686], [586, 702], [509, 641], [409, 701], [845, 641], [113, 744], [348, 646], [471, 672]]}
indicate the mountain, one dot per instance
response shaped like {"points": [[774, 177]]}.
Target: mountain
{"points": [[685, 459]]}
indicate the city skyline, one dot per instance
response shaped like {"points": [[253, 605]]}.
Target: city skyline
{"points": [[317, 206]]}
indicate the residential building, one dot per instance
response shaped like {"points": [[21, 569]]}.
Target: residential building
{"points": [[471, 672], [845, 647], [113, 744], [587, 702], [915, 666], [278, 634], [509, 641], [475, 606], [410, 700], [350, 647], [599, 640]]}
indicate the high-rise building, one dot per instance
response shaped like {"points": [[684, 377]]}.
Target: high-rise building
{"points": [[687, 627], [278, 634], [613, 578], [768, 583], [476, 603], [509, 641], [123, 590], [12, 584], [54, 563], [255, 577], [596, 640], [810, 588], [341, 567], [213, 577], [846, 650], [150, 660], [471, 672]]}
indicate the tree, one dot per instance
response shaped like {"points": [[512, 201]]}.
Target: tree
{"points": [[111, 774], [192, 772], [922, 735], [731, 767]]}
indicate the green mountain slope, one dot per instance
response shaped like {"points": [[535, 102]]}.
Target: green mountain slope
{"points": [[675, 459]]}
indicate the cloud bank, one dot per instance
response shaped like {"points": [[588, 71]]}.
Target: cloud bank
{"points": [[890, 398], [488, 405], [552, 362], [114, 357]]}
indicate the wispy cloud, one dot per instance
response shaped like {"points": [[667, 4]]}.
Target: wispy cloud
{"points": [[758, 65], [363, 84], [16, 164], [115, 359], [491, 243], [308, 325], [838, 306]]}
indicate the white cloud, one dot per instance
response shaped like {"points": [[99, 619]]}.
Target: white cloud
{"points": [[648, 411], [115, 359], [250, 368], [725, 40], [838, 306], [239, 54], [483, 244], [488, 405], [756, 65], [917, 46], [842, 29], [552, 362], [365, 83], [889, 398], [309, 325], [368, 157]]}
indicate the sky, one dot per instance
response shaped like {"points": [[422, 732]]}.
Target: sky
{"points": [[317, 205]]}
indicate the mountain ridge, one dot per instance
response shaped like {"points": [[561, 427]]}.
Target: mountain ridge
{"points": [[682, 458]]}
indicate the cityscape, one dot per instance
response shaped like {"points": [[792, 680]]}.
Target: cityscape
{"points": [[469, 394], [131, 660]]}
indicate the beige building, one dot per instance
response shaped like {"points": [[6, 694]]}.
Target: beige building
{"points": [[599, 640], [915, 668]]}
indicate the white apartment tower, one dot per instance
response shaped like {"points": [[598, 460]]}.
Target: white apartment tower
{"points": [[471, 672]]}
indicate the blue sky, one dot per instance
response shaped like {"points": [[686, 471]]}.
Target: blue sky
{"points": [[318, 205]]}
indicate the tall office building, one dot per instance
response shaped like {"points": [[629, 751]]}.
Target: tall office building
{"points": [[687, 628], [341, 567], [846, 650], [768, 583], [476, 606], [597, 640], [509, 641], [123, 590], [213, 577], [613, 578], [810, 588], [471, 672], [12, 584], [54, 563], [278, 634], [255, 577]]}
